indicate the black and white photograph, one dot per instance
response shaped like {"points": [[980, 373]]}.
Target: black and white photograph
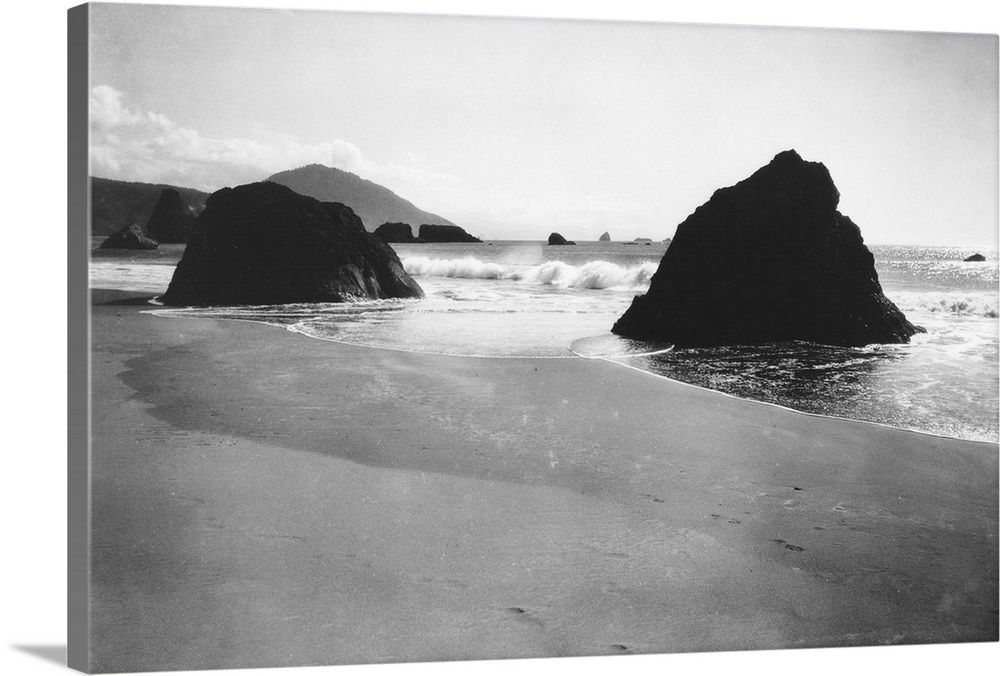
{"points": [[441, 337]]}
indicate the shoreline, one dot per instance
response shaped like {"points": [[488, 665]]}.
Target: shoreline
{"points": [[825, 416], [532, 508], [168, 312]]}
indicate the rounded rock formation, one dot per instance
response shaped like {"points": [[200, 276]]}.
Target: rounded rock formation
{"points": [[396, 233], [262, 244], [445, 233]]}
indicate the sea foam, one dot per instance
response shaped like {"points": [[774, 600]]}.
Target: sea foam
{"points": [[968, 304], [590, 275]]}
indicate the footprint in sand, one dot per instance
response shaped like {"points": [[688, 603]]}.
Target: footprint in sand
{"points": [[523, 615], [794, 548]]}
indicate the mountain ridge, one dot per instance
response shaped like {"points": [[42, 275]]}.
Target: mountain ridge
{"points": [[373, 203]]}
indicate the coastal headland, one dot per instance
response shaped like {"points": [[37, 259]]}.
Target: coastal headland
{"points": [[261, 498]]}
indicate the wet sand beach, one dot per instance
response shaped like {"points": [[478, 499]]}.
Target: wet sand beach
{"points": [[265, 499]]}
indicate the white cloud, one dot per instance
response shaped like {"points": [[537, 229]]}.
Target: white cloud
{"points": [[142, 145], [107, 110], [132, 144]]}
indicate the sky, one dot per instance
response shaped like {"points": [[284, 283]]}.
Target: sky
{"points": [[515, 128]]}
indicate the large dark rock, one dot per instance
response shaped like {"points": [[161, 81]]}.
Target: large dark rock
{"points": [[606, 237], [396, 233], [262, 243], [975, 258], [445, 233], [171, 221], [769, 259], [556, 239], [129, 237]]}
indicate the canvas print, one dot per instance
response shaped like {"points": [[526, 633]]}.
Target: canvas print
{"points": [[412, 338]]}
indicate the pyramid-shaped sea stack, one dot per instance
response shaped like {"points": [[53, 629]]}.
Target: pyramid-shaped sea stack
{"points": [[769, 259], [129, 237], [171, 221], [262, 244]]}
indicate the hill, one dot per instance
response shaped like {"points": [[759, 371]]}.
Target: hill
{"points": [[375, 204], [117, 204]]}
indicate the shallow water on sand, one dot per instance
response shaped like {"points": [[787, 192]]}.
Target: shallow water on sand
{"points": [[528, 299]]}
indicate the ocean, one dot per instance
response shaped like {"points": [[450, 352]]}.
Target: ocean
{"points": [[508, 299]]}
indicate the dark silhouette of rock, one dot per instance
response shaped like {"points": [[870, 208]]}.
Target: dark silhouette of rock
{"points": [[975, 258], [445, 233], [115, 202], [769, 259], [556, 239], [396, 233], [372, 202], [262, 244], [171, 221], [129, 237], [604, 238]]}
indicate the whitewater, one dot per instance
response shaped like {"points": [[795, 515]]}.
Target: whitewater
{"points": [[529, 299]]}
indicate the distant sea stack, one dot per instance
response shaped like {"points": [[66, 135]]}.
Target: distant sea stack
{"points": [[769, 259], [113, 203], [975, 258], [263, 243], [396, 233], [604, 238], [373, 203], [556, 239], [171, 221], [129, 237], [445, 233]]}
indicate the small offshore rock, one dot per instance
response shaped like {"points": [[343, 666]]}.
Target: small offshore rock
{"points": [[129, 237], [445, 233], [396, 233]]}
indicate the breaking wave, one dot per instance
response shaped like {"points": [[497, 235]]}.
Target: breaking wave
{"points": [[982, 305], [591, 275]]}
